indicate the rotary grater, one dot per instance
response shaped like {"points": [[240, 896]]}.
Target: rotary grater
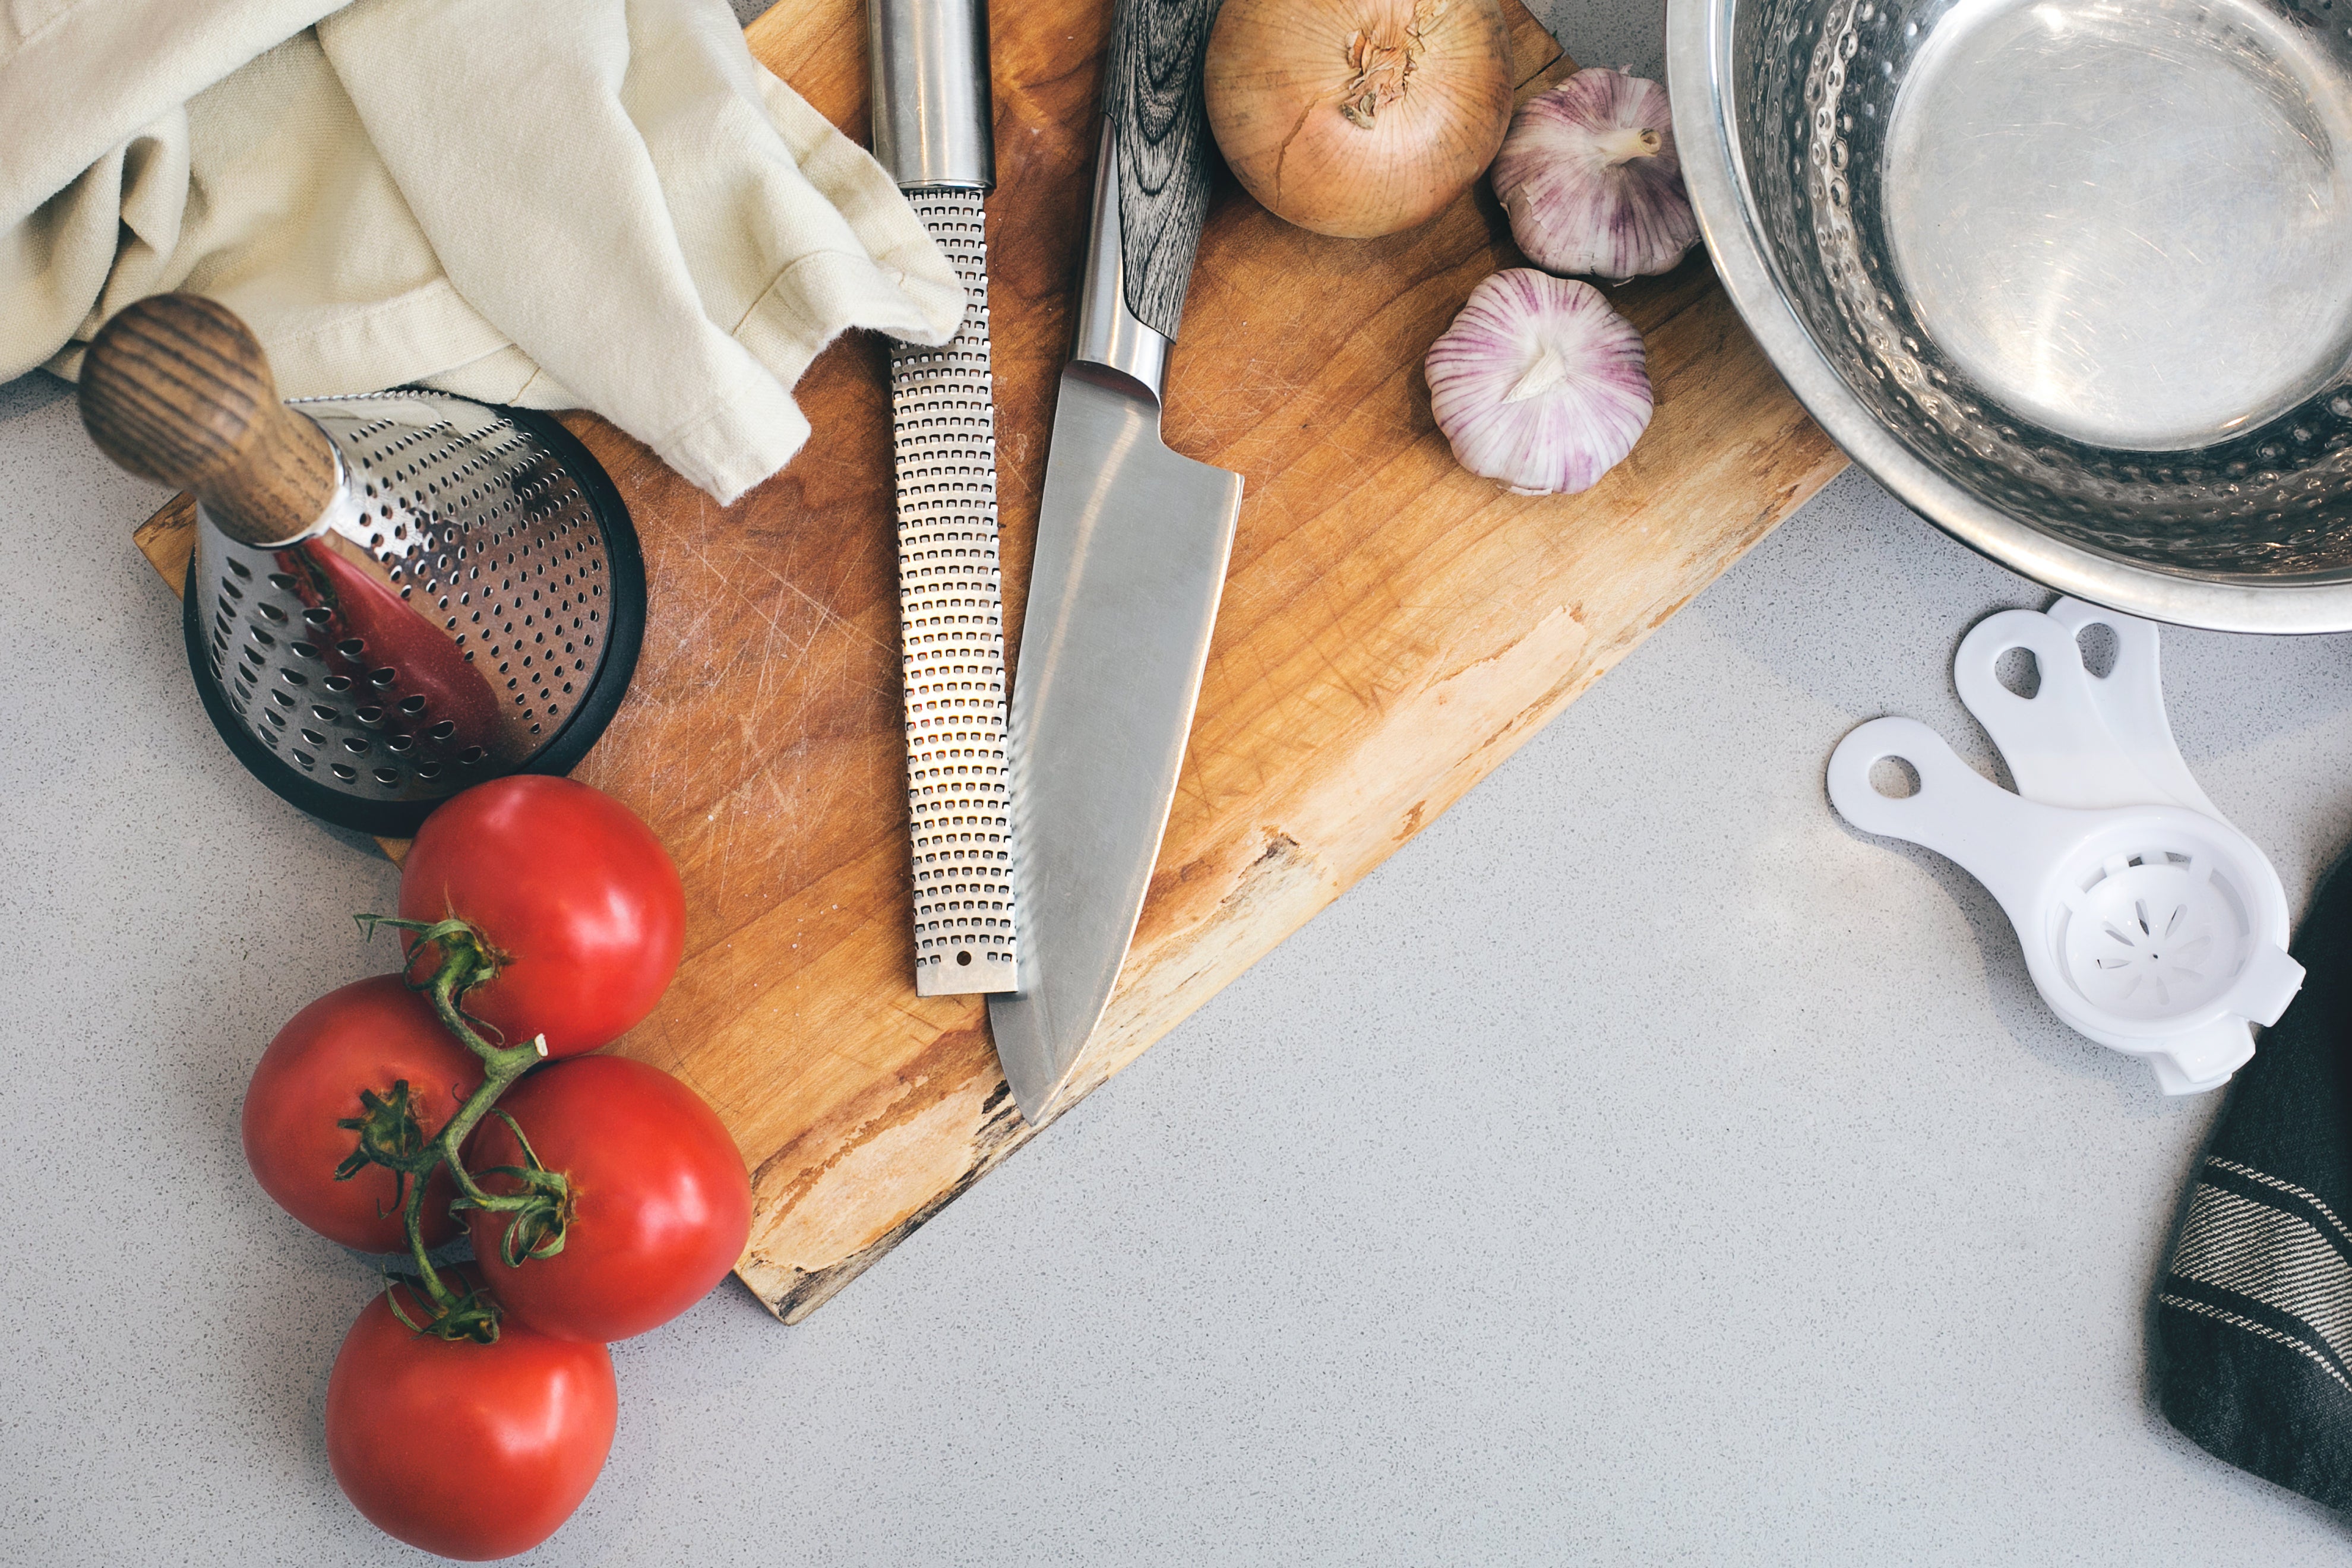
{"points": [[391, 596]]}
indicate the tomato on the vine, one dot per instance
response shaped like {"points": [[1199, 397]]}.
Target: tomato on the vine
{"points": [[371, 1035], [661, 1206], [470, 1450], [576, 894]]}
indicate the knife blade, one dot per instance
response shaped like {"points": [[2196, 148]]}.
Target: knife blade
{"points": [[928, 62], [1132, 545]]}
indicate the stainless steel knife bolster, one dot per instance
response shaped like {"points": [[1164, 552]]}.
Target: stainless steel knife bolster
{"points": [[928, 60]]}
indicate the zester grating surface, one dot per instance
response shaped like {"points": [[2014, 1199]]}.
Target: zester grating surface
{"points": [[951, 632]]}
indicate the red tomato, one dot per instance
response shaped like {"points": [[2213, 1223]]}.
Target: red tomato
{"points": [[661, 1205], [470, 1450], [370, 1036], [577, 894]]}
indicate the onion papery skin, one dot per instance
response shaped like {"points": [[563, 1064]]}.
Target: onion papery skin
{"points": [[1335, 148], [1576, 209], [1560, 440]]}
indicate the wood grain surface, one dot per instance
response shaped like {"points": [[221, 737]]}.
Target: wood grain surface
{"points": [[1393, 628], [1152, 92]]}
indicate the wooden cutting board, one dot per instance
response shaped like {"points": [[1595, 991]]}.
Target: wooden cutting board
{"points": [[1392, 629]]}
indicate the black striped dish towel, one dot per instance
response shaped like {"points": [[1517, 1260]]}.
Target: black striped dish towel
{"points": [[2253, 1316]]}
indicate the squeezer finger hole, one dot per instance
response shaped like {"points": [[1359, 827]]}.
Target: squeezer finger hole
{"points": [[1895, 778], [2020, 671], [2099, 646]]}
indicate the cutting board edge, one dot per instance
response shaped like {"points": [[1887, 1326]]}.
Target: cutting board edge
{"points": [[793, 1293]]}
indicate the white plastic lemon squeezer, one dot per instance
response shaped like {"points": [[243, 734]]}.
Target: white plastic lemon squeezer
{"points": [[2149, 922]]}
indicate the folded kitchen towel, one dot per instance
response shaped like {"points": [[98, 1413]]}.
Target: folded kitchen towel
{"points": [[2253, 1316], [599, 204]]}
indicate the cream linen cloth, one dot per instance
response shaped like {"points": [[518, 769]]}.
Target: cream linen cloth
{"points": [[561, 204]]}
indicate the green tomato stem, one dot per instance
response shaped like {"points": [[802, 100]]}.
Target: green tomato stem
{"points": [[466, 960], [500, 1067], [412, 1213]]}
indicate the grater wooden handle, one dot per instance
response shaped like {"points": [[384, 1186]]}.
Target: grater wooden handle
{"points": [[176, 388]]}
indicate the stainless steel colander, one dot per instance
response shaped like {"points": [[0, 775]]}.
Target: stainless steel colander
{"points": [[2073, 277], [466, 600]]}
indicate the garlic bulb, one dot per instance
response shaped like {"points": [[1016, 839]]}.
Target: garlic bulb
{"points": [[1589, 176], [1539, 383]]}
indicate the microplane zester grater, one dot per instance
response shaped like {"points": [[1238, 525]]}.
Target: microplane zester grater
{"points": [[951, 632], [929, 65]]}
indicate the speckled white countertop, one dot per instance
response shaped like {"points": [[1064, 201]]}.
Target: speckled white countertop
{"points": [[1640, 1167]]}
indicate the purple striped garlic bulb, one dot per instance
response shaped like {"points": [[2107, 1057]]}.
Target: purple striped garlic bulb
{"points": [[1589, 176], [1538, 384]]}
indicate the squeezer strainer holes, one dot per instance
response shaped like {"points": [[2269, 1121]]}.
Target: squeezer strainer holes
{"points": [[1895, 778], [2155, 931]]}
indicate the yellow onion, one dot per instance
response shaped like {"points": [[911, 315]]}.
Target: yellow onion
{"points": [[1359, 118]]}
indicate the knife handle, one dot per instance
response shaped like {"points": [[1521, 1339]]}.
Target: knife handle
{"points": [[1151, 186], [927, 62]]}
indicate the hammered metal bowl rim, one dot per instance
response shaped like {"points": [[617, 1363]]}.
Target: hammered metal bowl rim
{"points": [[1699, 76]]}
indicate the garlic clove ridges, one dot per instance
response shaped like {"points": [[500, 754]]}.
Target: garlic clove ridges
{"points": [[1588, 177], [1539, 383]]}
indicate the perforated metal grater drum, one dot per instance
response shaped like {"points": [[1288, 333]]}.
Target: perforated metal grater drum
{"points": [[393, 596]]}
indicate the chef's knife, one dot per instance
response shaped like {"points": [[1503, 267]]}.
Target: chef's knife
{"points": [[928, 63], [1132, 541]]}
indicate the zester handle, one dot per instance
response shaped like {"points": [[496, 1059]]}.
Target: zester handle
{"points": [[176, 388], [928, 61], [1151, 187]]}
